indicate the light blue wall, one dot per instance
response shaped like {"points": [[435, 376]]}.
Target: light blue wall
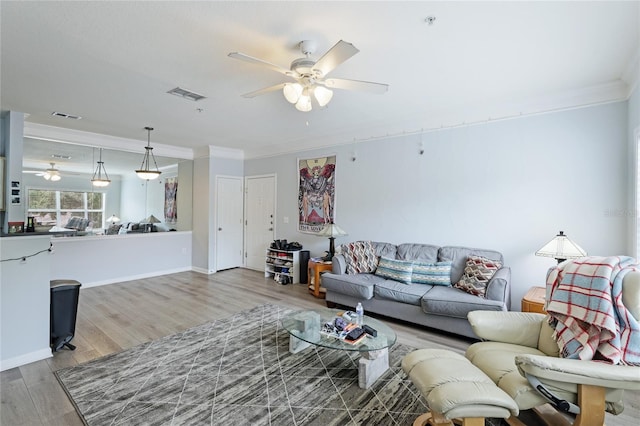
{"points": [[509, 185]]}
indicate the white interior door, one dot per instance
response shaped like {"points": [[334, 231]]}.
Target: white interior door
{"points": [[229, 222], [260, 219]]}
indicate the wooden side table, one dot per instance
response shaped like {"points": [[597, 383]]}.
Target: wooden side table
{"points": [[315, 288], [533, 301]]}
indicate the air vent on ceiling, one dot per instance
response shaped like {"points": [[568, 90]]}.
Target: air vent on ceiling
{"points": [[61, 157], [63, 115], [187, 94]]}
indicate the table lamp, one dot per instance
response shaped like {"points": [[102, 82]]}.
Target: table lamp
{"points": [[561, 248], [331, 230]]}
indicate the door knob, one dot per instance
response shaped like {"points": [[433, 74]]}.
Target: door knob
{"points": [[270, 229], [219, 229]]}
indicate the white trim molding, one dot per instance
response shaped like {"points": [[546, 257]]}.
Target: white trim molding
{"points": [[28, 358], [79, 137]]}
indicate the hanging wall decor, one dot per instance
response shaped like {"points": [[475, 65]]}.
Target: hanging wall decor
{"points": [[170, 197], [316, 193]]}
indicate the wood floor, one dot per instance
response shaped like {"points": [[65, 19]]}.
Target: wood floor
{"points": [[118, 316]]}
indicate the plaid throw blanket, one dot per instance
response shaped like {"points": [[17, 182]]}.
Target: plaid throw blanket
{"points": [[584, 303]]}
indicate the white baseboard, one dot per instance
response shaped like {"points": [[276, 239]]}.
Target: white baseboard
{"points": [[17, 361], [202, 270], [135, 277]]}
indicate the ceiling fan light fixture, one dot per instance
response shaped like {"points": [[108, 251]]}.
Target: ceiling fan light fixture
{"points": [[292, 92], [145, 172], [304, 103], [322, 95], [52, 174]]}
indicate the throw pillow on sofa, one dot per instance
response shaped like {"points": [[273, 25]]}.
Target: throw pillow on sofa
{"points": [[477, 274], [360, 257], [438, 273], [394, 269]]}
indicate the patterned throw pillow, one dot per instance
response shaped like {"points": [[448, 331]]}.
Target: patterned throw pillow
{"points": [[394, 269], [360, 257], [477, 274], [438, 273]]}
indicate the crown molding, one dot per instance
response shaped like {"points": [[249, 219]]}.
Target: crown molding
{"points": [[79, 137]]}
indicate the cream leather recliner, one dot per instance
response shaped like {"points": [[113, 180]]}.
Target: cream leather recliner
{"points": [[518, 344]]}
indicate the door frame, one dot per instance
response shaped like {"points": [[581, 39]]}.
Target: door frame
{"points": [[275, 208], [215, 217]]}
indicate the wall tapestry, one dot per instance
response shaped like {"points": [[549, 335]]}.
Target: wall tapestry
{"points": [[316, 193], [170, 196]]}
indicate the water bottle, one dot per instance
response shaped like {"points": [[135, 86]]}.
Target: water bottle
{"points": [[360, 314]]}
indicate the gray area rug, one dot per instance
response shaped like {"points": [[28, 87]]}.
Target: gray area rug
{"points": [[238, 371]]}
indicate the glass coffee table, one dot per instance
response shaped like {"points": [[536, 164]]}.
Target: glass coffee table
{"points": [[304, 330]]}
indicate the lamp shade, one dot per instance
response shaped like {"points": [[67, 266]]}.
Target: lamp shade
{"points": [[323, 95], [145, 172], [304, 102], [151, 219], [113, 219], [331, 230], [100, 177], [292, 92], [561, 248]]}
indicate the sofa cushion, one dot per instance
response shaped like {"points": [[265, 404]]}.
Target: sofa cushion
{"points": [[458, 257], [476, 276], [394, 269], [359, 285], [400, 292], [385, 249], [424, 252], [438, 273], [452, 302], [360, 257]]}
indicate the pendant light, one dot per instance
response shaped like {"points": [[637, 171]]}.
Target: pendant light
{"points": [[145, 172], [98, 179]]}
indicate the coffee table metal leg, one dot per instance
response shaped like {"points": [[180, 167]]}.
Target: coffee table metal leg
{"points": [[371, 366]]}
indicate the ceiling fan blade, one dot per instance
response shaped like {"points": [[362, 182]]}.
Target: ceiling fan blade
{"points": [[363, 86], [263, 91], [339, 53], [252, 60]]}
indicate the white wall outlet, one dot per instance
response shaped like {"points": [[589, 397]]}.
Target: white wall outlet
{"points": [[285, 219]]}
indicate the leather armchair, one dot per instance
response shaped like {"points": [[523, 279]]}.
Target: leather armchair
{"points": [[517, 344]]}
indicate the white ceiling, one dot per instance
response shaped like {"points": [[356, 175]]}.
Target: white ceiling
{"points": [[113, 62]]}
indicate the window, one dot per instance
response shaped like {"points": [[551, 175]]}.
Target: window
{"points": [[50, 207]]}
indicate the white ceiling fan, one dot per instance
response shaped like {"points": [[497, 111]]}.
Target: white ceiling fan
{"points": [[310, 77]]}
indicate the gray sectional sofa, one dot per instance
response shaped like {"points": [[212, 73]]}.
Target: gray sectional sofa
{"points": [[440, 307]]}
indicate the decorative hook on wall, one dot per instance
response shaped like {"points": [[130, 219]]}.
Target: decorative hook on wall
{"points": [[421, 146]]}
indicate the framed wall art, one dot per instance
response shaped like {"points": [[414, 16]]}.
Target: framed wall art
{"points": [[316, 193]]}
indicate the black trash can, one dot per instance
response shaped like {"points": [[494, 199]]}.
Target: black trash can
{"points": [[64, 309]]}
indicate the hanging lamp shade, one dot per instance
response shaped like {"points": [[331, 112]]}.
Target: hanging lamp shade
{"points": [[322, 95], [100, 177], [145, 171]]}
